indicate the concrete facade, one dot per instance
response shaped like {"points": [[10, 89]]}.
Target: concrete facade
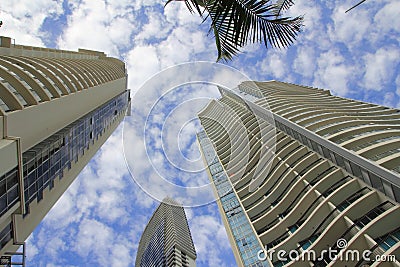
{"points": [[166, 240], [57, 108], [306, 170]]}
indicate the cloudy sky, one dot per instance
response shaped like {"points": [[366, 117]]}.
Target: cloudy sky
{"points": [[99, 220]]}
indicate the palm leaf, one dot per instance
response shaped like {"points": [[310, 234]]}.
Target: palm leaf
{"points": [[282, 5], [236, 23], [239, 22], [356, 5], [192, 5]]}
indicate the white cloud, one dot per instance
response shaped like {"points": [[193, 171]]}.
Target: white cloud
{"points": [[90, 209], [156, 28], [64, 211], [166, 39], [210, 240], [138, 4], [314, 30], [349, 28], [31, 248], [94, 237], [59, 265], [182, 44], [387, 20], [389, 99], [177, 14], [398, 85], [93, 25], [380, 67], [56, 245], [122, 38], [333, 72], [22, 20], [121, 255], [91, 213], [304, 63], [109, 207], [275, 65], [142, 63]]}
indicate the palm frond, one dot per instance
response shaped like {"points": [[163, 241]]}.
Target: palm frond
{"points": [[235, 23], [192, 5], [239, 22], [283, 5], [356, 5]]}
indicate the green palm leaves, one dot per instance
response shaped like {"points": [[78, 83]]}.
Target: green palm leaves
{"points": [[236, 23]]}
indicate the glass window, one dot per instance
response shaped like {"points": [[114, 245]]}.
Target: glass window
{"points": [[356, 169], [376, 182], [47, 160], [340, 161], [3, 204], [396, 192], [3, 188], [326, 153], [320, 151], [5, 235], [347, 165]]}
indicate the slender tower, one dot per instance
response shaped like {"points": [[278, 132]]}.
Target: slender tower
{"points": [[56, 109], [304, 178], [166, 240]]}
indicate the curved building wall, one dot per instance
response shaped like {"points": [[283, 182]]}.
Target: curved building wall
{"points": [[369, 130], [305, 201], [57, 108], [166, 240]]}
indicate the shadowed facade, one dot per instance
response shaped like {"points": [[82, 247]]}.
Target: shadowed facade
{"points": [[166, 240], [297, 169], [57, 108]]}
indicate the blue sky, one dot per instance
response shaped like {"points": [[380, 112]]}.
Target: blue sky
{"points": [[99, 220]]}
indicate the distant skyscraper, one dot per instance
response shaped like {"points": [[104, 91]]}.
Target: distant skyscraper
{"points": [[166, 240], [56, 109], [309, 172]]}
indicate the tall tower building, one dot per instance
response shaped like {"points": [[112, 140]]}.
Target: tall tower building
{"points": [[302, 173], [166, 240], [56, 109]]}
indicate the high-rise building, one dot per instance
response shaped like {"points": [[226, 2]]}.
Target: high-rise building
{"points": [[303, 177], [56, 109], [166, 240]]}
